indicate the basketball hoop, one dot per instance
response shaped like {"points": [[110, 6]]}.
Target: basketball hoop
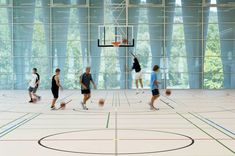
{"points": [[116, 43]]}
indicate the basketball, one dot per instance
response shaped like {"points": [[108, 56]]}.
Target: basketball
{"points": [[35, 100], [62, 105], [124, 40], [101, 102], [168, 92]]}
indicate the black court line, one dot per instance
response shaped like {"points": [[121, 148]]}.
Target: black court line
{"points": [[167, 104], [18, 125], [203, 120], [127, 99], [13, 120], [107, 123], [190, 143], [215, 139]]}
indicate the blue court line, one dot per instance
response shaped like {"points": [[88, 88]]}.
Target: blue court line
{"points": [[229, 131], [8, 130], [13, 120]]}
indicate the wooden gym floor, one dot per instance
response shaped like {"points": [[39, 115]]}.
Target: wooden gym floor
{"points": [[189, 122]]}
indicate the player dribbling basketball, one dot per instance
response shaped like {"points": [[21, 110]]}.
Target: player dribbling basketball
{"points": [[85, 80], [154, 87], [55, 85]]}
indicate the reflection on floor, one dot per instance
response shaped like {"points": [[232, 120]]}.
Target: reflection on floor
{"points": [[189, 122]]}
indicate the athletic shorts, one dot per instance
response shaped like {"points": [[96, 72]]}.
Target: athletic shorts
{"points": [[155, 92], [85, 91], [55, 93], [138, 75], [31, 89], [35, 89]]}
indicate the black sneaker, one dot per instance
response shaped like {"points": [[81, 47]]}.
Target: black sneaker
{"points": [[31, 101], [53, 108]]}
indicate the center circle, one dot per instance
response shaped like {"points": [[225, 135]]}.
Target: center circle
{"points": [[111, 141]]}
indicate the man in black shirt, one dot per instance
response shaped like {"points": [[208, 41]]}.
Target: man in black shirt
{"points": [[138, 74], [55, 85]]}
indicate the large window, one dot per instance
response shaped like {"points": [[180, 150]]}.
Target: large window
{"points": [[193, 41]]}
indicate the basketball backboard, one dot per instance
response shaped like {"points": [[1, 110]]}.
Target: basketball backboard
{"points": [[115, 36]]}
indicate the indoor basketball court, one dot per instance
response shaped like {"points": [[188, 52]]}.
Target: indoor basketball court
{"points": [[117, 77]]}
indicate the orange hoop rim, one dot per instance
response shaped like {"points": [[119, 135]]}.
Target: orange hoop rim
{"points": [[116, 43]]}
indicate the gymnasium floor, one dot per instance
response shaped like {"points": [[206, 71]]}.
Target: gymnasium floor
{"points": [[189, 123]]}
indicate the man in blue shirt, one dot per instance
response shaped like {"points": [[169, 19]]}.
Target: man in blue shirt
{"points": [[85, 80], [154, 87]]}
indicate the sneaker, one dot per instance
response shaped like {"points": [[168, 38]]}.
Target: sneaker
{"points": [[39, 98], [53, 108], [83, 105], [154, 108], [31, 101]]}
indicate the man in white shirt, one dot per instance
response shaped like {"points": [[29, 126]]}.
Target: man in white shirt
{"points": [[33, 83]]}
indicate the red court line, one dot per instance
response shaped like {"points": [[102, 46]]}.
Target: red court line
{"points": [[154, 139]]}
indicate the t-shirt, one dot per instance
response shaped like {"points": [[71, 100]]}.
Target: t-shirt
{"points": [[33, 80], [152, 79], [86, 79], [136, 65]]}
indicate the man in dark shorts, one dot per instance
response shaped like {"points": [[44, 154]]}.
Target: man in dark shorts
{"points": [[85, 80], [154, 87], [37, 84], [33, 85], [55, 85]]}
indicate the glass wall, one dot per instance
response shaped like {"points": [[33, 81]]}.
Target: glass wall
{"points": [[193, 41]]}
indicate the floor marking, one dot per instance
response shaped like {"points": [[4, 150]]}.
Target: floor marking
{"points": [[206, 133], [7, 131], [167, 104], [107, 123], [29, 140], [190, 142], [116, 130], [127, 99], [216, 125], [202, 130], [13, 120]]}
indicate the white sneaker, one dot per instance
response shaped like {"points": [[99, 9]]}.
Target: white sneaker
{"points": [[83, 105]]}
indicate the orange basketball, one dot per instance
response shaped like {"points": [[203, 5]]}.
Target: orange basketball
{"points": [[62, 105], [168, 92], [35, 100], [101, 102]]}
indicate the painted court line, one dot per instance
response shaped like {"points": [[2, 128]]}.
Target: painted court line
{"points": [[207, 133], [201, 119], [203, 130], [7, 131], [13, 120], [217, 125], [107, 123]]}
